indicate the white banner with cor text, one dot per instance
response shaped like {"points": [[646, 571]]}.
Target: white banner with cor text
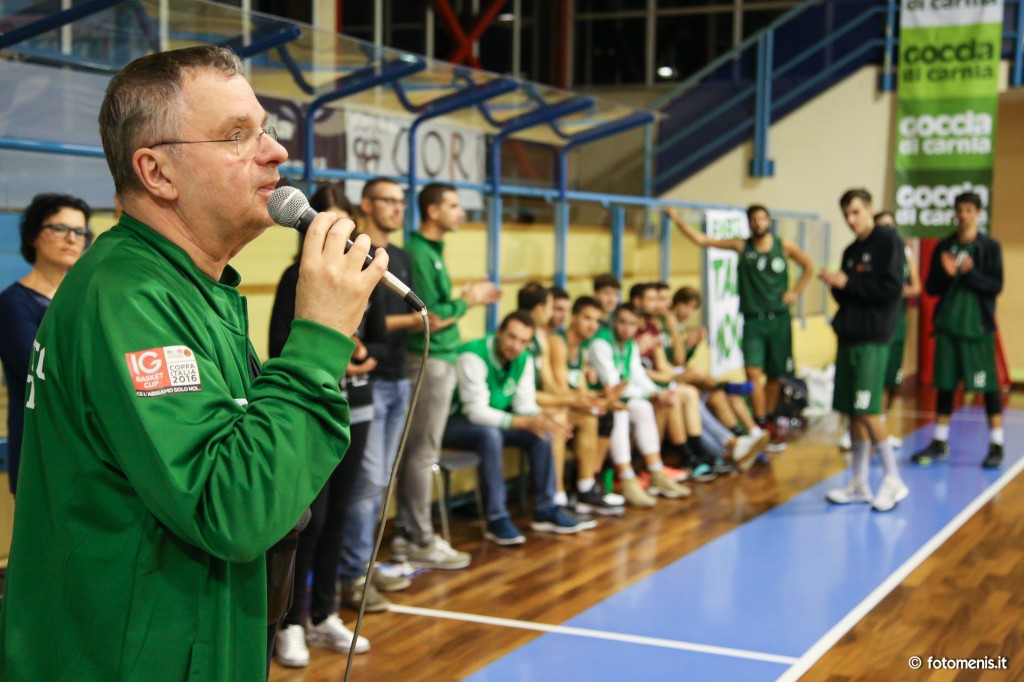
{"points": [[379, 145], [721, 291]]}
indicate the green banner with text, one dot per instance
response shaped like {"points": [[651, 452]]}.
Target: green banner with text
{"points": [[946, 115]]}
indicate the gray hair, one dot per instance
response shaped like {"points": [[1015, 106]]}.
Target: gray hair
{"points": [[143, 100]]}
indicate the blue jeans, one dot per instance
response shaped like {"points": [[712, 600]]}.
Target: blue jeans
{"points": [[390, 402], [714, 436], [489, 442]]}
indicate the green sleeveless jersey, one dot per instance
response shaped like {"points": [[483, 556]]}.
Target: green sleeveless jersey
{"points": [[620, 352], [576, 374], [763, 279], [534, 350], [961, 307], [501, 380]]}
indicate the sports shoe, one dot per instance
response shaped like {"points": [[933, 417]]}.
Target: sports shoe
{"points": [[747, 448], [635, 495], [400, 548], [703, 472], [677, 475], [895, 442], [332, 634], [845, 441], [586, 521], [596, 501], [851, 494], [437, 554], [503, 532], [389, 583], [352, 594], [555, 520], [892, 491], [290, 648], [721, 467], [662, 485], [937, 451], [777, 442], [994, 460]]}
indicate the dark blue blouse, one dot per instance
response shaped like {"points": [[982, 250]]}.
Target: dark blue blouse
{"points": [[21, 311]]}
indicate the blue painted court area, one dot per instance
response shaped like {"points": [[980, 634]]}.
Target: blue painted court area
{"points": [[771, 595]]}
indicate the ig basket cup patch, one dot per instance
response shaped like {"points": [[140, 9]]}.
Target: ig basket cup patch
{"points": [[159, 371]]}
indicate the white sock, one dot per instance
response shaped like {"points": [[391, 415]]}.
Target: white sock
{"points": [[584, 484], [941, 432], [860, 453], [561, 499], [627, 474], [995, 436], [657, 466], [888, 459]]}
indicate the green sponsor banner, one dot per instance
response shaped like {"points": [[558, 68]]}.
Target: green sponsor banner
{"points": [[946, 115], [938, 134], [949, 61], [924, 199]]}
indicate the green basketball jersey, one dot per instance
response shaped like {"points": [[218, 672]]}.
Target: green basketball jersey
{"points": [[763, 279], [961, 307], [576, 374], [620, 352], [502, 380]]}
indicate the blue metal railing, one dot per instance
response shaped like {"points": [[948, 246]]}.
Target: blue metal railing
{"points": [[378, 72], [757, 84]]}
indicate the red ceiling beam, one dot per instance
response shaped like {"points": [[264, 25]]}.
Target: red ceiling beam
{"points": [[463, 54]]}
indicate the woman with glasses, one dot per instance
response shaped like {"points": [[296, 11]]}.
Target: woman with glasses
{"points": [[54, 233]]}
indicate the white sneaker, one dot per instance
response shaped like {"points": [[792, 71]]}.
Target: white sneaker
{"points": [[895, 442], [614, 499], [635, 495], [662, 484], [748, 447], [889, 495], [851, 494], [845, 442], [438, 554], [290, 647], [400, 548], [332, 634]]}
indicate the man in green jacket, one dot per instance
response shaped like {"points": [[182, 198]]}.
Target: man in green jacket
{"points": [[161, 461], [415, 541]]}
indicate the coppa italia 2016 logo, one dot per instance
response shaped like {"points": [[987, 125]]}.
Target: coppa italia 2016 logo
{"points": [[159, 371]]}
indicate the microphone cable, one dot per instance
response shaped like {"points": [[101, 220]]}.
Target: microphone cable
{"points": [[382, 518]]}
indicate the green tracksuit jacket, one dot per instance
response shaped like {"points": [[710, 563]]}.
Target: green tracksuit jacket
{"points": [[156, 472]]}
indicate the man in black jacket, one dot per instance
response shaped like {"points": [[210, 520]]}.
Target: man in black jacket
{"points": [[867, 289], [966, 274]]}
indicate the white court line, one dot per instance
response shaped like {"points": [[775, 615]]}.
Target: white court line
{"points": [[596, 634], [829, 639]]}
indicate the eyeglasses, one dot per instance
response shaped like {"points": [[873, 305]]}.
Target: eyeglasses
{"points": [[390, 201], [247, 140], [62, 231]]}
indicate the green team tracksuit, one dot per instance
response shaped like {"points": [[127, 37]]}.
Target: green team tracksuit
{"points": [[767, 326], [156, 472], [894, 368], [965, 316], [434, 286]]}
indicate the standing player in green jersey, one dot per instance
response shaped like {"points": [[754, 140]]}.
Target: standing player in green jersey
{"points": [[966, 274], [867, 289], [765, 298]]}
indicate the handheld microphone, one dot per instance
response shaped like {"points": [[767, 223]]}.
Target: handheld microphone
{"points": [[288, 206]]}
